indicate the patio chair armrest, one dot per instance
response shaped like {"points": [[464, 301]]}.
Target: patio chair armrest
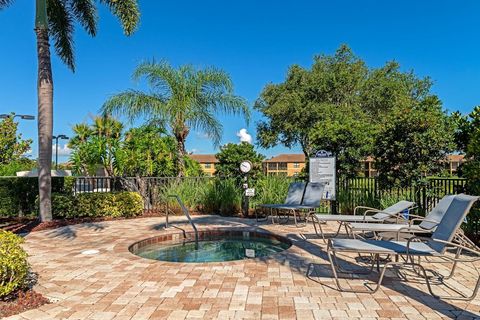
{"points": [[415, 238], [415, 216], [460, 247], [364, 207], [422, 220]]}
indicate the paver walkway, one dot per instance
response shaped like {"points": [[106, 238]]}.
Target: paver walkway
{"points": [[115, 284]]}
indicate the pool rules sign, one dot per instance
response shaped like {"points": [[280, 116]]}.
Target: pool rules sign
{"points": [[322, 169]]}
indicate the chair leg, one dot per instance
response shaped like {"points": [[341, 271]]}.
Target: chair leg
{"points": [[315, 221], [332, 258]]}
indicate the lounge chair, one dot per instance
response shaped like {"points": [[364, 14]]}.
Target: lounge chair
{"points": [[294, 197], [392, 212], [427, 224], [436, 246], [311, 201]]}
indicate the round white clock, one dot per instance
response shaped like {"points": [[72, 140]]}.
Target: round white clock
{"points": [[245, 166]]}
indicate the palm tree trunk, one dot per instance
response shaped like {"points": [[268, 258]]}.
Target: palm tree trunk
{"points": [[181, 157], [45, 113]]}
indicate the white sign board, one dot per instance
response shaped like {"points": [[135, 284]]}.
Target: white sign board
{"points": [[323, 170], [250, 253], [250, 192]]}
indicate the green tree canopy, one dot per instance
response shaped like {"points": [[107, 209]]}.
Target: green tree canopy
{"points": [[232, 154], [12, 146], [342, 106], [412, 143], [181, 99]]}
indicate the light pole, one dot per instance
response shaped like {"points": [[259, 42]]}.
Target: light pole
{"points": [[21, 116], [56, 138]]}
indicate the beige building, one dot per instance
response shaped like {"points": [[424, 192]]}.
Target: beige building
{"points": [[207, 162], [284, 164]]}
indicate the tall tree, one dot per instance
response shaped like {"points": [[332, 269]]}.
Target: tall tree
{"points": [[181, 99], [232, 154], [413, 142], [12, 146], [57, 19], [339, 104]]}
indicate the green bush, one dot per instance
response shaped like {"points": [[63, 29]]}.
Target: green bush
{"points": [[101, 204], [222, 196], [271, 189], [18, 194], [63, 205], [13, 263], [129, 203]]}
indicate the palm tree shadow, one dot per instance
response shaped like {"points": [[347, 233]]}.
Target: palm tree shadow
{"points": [[316, 271], [69, 232], [207, 221]]}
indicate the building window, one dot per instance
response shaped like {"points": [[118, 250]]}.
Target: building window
{"points": [[296, 165], [272, 166], [208, 165], [282, 166]]}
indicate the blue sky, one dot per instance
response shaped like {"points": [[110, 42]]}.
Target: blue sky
{"points": [[254, 41]]}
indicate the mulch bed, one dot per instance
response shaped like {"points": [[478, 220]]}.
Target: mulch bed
{"points": [[22, 301]]}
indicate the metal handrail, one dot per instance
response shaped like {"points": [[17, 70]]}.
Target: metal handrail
{"points": [[187, 214]]}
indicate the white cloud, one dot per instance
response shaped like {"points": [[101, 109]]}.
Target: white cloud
{"points": [[244, 136], [62, 151]]}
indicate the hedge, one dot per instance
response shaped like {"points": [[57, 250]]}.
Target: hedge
{"points": [[13, 263], [18, 194], [101, 204]]}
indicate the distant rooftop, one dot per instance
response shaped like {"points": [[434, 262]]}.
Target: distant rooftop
{"points": [[204, 158], [288, 157]]}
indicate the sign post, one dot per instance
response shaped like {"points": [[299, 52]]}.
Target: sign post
{"points": [[323, 169]]}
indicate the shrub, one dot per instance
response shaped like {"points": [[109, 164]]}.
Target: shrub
{"points": [[63, 205], [13, 263], [271, 189], [18, 194], [101, 204], [129, 203], [222, 196]]}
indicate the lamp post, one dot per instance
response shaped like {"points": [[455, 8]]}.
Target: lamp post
{"points": [[21, 116], [56, 138]]}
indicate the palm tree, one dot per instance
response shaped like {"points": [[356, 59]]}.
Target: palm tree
{"points": [[57, 19], [181, 99]]}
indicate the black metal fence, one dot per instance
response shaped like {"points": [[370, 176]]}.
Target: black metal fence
{"points": [[352, 192]]}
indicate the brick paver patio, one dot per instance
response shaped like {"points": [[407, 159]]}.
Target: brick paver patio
{"points": [[114, 284]]}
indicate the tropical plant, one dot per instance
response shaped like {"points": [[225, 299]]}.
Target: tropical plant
{"points": [[96, 145], [56, 19], [12, 146], [181, 99], [13, 263]]}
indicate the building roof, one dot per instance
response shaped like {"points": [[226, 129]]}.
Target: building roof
{"points": [[204, 158], [288, 157]]}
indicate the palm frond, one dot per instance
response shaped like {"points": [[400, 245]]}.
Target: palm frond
{"points": [[85, 12], [214, 79], [127, 12], [226, 103], [159, 75], [135, 104], [206, 122], [5, 3], [61, 28]]}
